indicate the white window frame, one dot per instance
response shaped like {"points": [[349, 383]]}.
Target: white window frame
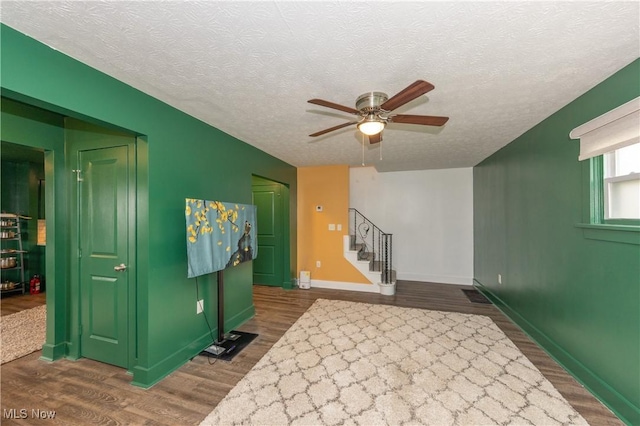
{"points": [[607, 201], [610, 165], [612, 130]]}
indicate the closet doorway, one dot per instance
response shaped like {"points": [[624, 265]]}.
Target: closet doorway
{"points": [[272, 200]]}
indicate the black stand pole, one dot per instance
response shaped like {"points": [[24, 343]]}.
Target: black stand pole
{"points": [[220, 308], [217, 348]]}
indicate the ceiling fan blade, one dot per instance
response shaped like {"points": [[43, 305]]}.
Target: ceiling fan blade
{"points": [[375, 138], [334, 106], [409, 93], [426, 120], [331, 129]]}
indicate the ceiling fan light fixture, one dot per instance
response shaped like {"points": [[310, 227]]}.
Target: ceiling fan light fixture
{"points": [[371, 125], [374, 110]]}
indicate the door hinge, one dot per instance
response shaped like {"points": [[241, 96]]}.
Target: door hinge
{"points": [[78, 176], [80, 330], [79, 253]]}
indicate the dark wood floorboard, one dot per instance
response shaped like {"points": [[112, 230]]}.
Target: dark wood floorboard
{"points": [[87, 392], [10, 304]]}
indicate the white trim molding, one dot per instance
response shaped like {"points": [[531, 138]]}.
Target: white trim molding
{"points": [[440, 279], [340, 285], [612, 130]]}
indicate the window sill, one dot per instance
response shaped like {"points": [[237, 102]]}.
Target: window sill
{"points": [[627, 234]]}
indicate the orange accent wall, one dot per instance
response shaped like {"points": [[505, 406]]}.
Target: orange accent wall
{"points": [[326, 186]]}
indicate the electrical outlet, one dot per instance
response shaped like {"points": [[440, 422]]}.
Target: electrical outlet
{"points": [[499, 278], [318, 264], [199, 306]]}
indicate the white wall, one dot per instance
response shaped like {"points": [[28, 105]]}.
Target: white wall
{"points": [[429, 213]]}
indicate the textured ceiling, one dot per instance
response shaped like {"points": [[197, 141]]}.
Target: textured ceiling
{"points": [[248, 68]]}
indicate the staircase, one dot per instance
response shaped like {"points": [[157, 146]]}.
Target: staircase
{"points": [[369, 249]]}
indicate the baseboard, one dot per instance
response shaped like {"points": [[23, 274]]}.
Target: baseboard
{"points": [[240, 318], [53, 352], [340, 285], [442, 279], [147, 377], [616, 402]]}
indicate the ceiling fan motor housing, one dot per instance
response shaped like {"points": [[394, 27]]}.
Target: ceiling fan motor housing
{"points": [[370, 101]]}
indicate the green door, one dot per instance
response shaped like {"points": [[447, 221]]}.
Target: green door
{"points": [[105, 193], [268, 267]]}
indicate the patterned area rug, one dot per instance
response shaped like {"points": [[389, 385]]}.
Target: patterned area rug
{"points": [[23, 333], [361, 364]]}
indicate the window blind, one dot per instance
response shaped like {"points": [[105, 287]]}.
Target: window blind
{"points": [[612, 130]]}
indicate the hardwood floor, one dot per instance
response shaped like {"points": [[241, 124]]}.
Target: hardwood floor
{"points": [[88, 392], [19, 302]]}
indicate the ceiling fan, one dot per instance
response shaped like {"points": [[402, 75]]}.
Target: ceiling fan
{"points": [[374, 110]]}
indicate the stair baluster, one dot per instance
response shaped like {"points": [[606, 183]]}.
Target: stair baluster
{"points": [[372, 244]]}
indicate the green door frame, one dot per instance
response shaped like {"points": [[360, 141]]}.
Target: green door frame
{"points": [[38, 124], [73, 149], [287, 283], [24, 124]]}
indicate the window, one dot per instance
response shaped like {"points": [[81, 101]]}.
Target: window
{"points": [[621, 183], [611, 145]]}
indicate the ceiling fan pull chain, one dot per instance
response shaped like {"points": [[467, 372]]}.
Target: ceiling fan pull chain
{"points": [[380, 149], [363, 149]]}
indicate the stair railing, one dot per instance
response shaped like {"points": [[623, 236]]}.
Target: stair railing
{"points": [[372, 244]]}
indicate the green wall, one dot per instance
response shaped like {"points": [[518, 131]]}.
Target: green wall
{"points": [[36, 128], [576, 294], [178, 156]]}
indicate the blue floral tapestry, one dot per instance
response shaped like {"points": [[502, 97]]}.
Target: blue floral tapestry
{"points": [[219, 235]]}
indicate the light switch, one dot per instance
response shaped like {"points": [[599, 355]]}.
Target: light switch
{"points": [[339, 227]]}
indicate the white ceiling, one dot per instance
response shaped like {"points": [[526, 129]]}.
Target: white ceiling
{"points": [[248, 68]]}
